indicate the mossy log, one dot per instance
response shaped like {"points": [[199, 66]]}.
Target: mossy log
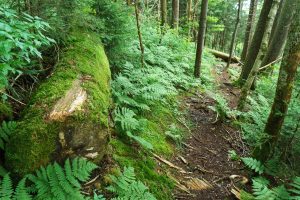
{"points": [[224, 56], [68, 114]]}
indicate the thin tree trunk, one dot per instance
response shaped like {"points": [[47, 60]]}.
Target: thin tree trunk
{"points": [[175, 14], [234, 34], [249, 29], [256, 41], [201, 36], [280, 33], [276, 21], [285, 84], [139, 31], [264, 45], [164, 14], [189, 15]]}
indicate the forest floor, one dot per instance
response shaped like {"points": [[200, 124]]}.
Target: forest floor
{"points": [[206, 167]]}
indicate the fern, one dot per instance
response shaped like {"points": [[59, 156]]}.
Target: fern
{"points": [[8, 193], [254, 164], [128, 188], [5, 131], [126, 119], [54, 182], [295, 190], [261, 190]]}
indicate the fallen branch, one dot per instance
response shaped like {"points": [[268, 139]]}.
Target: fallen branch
{"points": [[169, 163], [271, 63]]}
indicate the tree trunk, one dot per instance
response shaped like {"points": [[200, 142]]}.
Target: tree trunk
{"points": [[288, 70], [262, 49], [138, 26], [189, 15], [256, 41], [280, 33], [175, 14], [164, 14], [201, 36], [275, 24], [249, 29], [234, 34]]}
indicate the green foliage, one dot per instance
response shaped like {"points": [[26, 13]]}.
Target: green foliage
{"points": [[6, 130], [55, 182], [128, 188], [254, 164], [7, 192], [52, 182], [233, 155], [21, 37]]}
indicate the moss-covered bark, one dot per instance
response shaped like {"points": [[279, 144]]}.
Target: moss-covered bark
{"points": [[285, 84], [256, 41], [39, 138]]}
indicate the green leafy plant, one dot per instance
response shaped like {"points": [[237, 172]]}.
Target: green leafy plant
{"points": [[6, 130], [21, 38], [7, 191], [127, 187], [254, 164]]}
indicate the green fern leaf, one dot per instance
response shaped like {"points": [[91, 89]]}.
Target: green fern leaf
{"points": [[254, 164], [5, 131], [295, 187], [6, 190], [21, 192]]}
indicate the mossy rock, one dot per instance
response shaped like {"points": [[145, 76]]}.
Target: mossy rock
{"points": [[68, 114]]}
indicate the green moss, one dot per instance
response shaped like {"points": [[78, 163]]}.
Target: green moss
{"points": [[145, 168], [5, 111], [35, 138]]}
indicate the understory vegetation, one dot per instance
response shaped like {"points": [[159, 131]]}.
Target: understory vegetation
{"points": [[96, 98]]}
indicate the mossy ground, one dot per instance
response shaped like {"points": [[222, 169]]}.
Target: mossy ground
{"points": [[146, 167], [35, 138]]}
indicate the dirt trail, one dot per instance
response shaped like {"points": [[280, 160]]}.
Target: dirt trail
{"points": [[205, 153]]}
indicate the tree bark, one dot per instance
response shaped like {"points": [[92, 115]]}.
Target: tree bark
{"points": [[138, 26], [164, 14], [287, 73], [201, 36], [264, 45], [234, 34], [256, 41], [189, 15], [280, 33], [175, 14], [249, 29]]}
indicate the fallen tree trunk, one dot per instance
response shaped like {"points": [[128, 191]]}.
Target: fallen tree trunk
{"points": [[224, 56], [68, 114]]}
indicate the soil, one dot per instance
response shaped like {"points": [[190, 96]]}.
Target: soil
{"points": [[205, 153]]}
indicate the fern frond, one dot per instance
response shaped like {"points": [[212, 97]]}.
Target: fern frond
{"points": [[21, 191], [261, 190], [140, 140], [6, 130], [6, 190], [56, 182], [254, 164], [295, 190]]}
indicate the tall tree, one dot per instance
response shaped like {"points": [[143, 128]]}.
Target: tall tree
{"points": [[280, 33], [138, 26], [249, 29], [189, 15], [164, 12], [256, 40], [201, 37], [234, 34], [175, 14], [264, 45], [287, 73]]}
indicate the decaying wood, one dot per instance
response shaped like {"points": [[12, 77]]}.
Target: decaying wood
{"points": [[197, 184], [72, 101], [224, 56]]}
